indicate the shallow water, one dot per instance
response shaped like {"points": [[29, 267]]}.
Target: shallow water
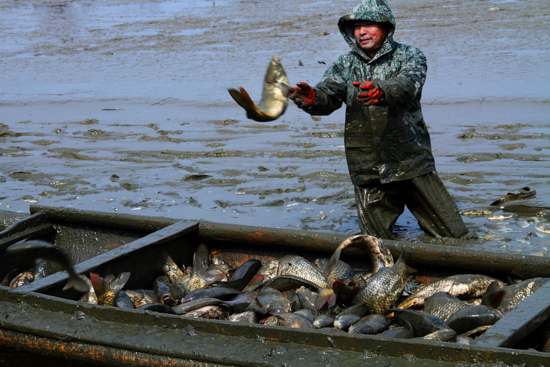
{"points": [[123, 106]]}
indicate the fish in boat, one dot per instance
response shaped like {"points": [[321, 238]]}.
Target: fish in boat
{"points": [[444, 305], [424, 324], [463, 286], [265, 273], [242, 275], [107, 289], [44, 250], [350, 316], [384, 288], [370, 324], [472, 317], [21, 279], [201, 276], [514, 294], [300, 267]]}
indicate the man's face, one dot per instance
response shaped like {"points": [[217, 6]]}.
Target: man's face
{"points": [[370, 35]]}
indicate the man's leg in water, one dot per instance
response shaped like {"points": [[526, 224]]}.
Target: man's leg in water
{"points": [[378, 207], [434, 208]]}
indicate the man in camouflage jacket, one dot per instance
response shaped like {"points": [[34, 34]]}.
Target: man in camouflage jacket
{"points": [[387, 144]]}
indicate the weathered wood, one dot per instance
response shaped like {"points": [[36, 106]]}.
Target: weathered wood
{"points": [[156, 238], [217, 341], [419, 254], [33, 226], [518, 323], [103, 219]]}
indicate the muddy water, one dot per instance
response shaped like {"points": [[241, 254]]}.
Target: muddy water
{"points": [[123, 106]]}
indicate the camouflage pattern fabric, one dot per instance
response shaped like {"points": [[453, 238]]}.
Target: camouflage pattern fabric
{"points": [[388, 141]]}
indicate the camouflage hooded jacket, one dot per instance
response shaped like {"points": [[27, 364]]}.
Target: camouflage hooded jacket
{"points": [[388, 141]]}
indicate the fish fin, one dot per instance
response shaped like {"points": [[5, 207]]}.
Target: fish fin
{"points": [[163, 260], [239, 98], [325, 296], [252, 111], [119, 282], [215, 278], [201, 260], [98, 283], [329, 265], [494, 296], [77, 284]]}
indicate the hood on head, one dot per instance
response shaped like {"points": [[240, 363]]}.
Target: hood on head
{"points": [[371, 10]]}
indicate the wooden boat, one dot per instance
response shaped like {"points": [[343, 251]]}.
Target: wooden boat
{"points": [[42, 318]]}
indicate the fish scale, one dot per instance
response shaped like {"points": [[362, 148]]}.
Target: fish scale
{"points": [[341, 270], [384, 288], [444, 305], [298, 266]]}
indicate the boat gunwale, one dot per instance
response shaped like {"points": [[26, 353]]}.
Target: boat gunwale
{"points": [[33, 308]]}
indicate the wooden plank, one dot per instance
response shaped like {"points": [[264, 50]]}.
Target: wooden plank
{"points": [[516, 324], [218, 341], [33, 226], [159, 237], [419, 254], [146, 224]]}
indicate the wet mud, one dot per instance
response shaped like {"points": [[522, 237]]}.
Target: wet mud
{"points": [[123, 106]]}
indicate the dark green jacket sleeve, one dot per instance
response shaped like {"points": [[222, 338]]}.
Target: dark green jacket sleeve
{"points": [[407, 84]]}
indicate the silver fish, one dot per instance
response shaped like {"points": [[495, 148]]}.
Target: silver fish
{"points": [[463, 286], [500, 217], [274, 95], [300, 267], [541, 226]]}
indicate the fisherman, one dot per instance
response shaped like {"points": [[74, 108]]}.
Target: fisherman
{"points": [[388, 147]]}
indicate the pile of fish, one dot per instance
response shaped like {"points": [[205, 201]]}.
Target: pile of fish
{"points": [[328, 295]]}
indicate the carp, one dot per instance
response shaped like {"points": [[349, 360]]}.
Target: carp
{"points": [[201, 276], [274, 95], [247, 317], [444, 305], [472, 317], [523, 194], [242, 276], [515, 293], [384, 288], [300, 267], [350, 316], [370, 324], [463, 286], [421, 323]]}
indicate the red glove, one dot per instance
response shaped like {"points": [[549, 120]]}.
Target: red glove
{"points": [[370, 93], [303, 95]]}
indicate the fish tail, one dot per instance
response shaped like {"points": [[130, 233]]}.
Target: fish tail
{"points": [[98, 283], [325, 296], [119, 282], [242, 98], [494, 296], [77, 283], [336, 255]]}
